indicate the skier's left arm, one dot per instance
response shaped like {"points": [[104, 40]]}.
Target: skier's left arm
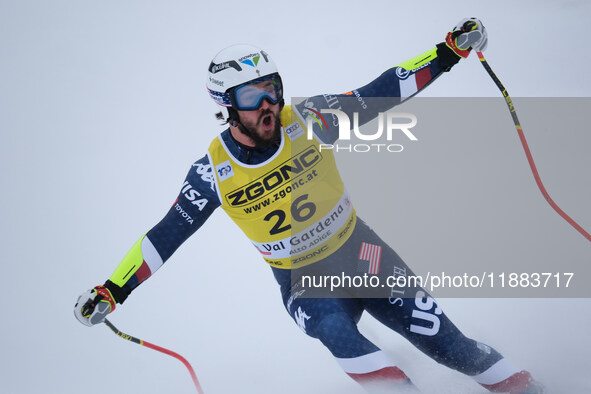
{"points": [[410, 77], [399, 82]]}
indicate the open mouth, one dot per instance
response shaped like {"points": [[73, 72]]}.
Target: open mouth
{"points": [[267, 119]]}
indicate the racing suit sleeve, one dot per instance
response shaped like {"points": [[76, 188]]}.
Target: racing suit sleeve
{"points": [[386, 91], [195, 203]]}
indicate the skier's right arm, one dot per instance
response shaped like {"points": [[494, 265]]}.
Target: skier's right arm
{"points": [[195, 203]]}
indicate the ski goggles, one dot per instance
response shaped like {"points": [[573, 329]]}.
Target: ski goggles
{"points": [[250, 96]]}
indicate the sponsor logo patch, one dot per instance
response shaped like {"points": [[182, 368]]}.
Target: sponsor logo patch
{"points": [[224, 170], [402, 73], [294, 130]]}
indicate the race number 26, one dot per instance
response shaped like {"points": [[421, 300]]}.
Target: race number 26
{"points": [[301, 211]]}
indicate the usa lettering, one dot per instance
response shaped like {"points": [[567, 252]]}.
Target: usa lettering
{"points": [[428, 320], [193, 196]]}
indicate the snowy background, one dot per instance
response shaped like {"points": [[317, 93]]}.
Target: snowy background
{"points": [[103, 110]]}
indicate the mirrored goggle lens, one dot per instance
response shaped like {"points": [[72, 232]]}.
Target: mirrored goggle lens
{"points": [[249, 97]]}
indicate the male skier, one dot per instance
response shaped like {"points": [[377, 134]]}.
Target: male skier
{"points": [[286, 194]]}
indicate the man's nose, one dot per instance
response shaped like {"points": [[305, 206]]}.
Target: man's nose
{"points": [[265, 104]]}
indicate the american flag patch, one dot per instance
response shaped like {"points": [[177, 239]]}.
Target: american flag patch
{"points": [[369, 258]]}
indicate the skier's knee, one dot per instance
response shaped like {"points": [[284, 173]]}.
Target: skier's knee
{"points": [[333, 324], [339, 333]]}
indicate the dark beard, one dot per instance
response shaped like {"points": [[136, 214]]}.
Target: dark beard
{"points": [[259, 141]]}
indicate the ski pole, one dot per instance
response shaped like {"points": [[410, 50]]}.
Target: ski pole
{"points": [[528, 154], [158, 348]]}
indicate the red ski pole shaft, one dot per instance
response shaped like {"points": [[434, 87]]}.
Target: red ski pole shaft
{"points": [[158, 348], [528, 154]]}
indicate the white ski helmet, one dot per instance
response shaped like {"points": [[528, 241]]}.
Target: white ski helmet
{"points": [[234, 66]]}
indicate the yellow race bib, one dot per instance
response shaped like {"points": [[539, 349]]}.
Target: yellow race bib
{"points": [[293, 207]]}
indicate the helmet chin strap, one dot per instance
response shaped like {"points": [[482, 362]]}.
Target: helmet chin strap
{"points": [[235, 121]]}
